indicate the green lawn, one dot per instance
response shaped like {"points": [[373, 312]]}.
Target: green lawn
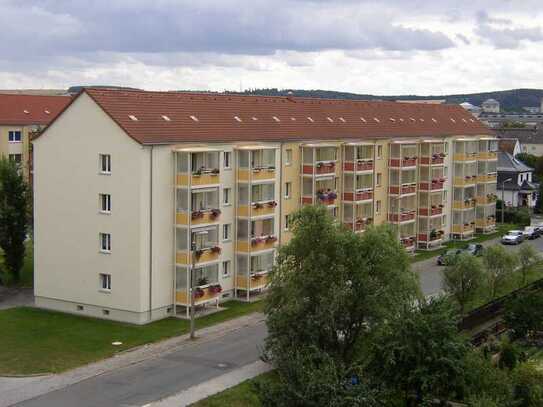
{"points": [[242, 395], [428, 254], [39, 341]]}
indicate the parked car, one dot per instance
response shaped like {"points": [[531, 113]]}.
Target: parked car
{"points": [[530, 232], [475, 249], [539, 229], [445, 258], [513, 237]]}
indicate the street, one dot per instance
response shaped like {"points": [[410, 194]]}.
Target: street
{"points": [[157, 378]]}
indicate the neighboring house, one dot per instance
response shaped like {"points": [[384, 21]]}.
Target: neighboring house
{"points": [[491, 106], [509, 145], [21, 115], [515, 185], [136, 190], [530, 139], [474, 110]]}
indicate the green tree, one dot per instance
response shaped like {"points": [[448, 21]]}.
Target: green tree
{"points": [[420, 353], [528, 385], [13, 217], [524, 314], [539, 200], [328, 291], [463, 278], [527, 257], [499, 265]]}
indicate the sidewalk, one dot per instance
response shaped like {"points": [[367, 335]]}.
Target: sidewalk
{"points": [[15, 390]]}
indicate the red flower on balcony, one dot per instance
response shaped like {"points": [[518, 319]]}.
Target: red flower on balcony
{"points": [[215, 289], [272, 204], [271, 239], [197, 215], [257, 205], [216, 249], [215, 213], [199, 293]]}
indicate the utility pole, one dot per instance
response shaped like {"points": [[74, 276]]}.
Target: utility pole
{"points": [[192, 261], [503, 199]]}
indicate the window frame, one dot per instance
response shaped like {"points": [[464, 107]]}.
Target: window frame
{"points": [[107, 241], [105, 282], [226, 232], [107, 158], [14, 132], [288, 160], [227, 196], [288, 190], [105, 199], [228, 268], [227, 160]]}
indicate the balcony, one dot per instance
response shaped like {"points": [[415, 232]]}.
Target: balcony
{"points": [[468, 180], [322, 197], [198, 217], [465, 204], [320, 168], [405, 216], [405, 189], [487, 178], [359, 165], [257, 209], [435, 159], [255, 281], [487, 200], [257, 243], [405, 162], [203, 255], [465, 229], [202, 294], [466, 156], [433, 185], [488, 155], [434, 210], [408, 242], [431, 237], [202, 177], [486, 224], [359, 225], [365, 195], [257, 174]]}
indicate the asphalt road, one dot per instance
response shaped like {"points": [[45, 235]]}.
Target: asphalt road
{"points": [[431, 275], [154, 379]]}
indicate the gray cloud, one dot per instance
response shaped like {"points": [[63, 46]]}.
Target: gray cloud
{"points": [[502, 34]]}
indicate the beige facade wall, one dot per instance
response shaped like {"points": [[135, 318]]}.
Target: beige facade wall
{"points": [[7, 147]]}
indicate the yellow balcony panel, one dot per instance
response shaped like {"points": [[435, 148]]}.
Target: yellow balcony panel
{"points": [[487, 178], [488, 155], [184, 257], [485, 200], [182, 218], [202, 218], [182, 180], [465, 157], [485, 223], [205, 179], [256, 244], [463, 229], [264, 174], [464, 181], [256, 210], [254, 282], [464, 204], [183, 297]]}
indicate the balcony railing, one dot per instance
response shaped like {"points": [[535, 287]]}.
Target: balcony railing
{"points": [[405, 189], [465, 204], [408, 242], [202, 255], [488, 155], [202, 294], [359, 225], [257, 174], [435, 159], [326, 197], [488, 222], [257, 209], [431, 236], [434, 210], [364, 195], [320, 168], [403, 162], [433, 185], [490, 177], [200, 177], [465, 156], [487, 199], [254, 281], [405, 216], [466, 180], [467, 228], [359, 165]]}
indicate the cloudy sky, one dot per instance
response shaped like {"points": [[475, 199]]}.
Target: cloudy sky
{"points": [[380, 47]]}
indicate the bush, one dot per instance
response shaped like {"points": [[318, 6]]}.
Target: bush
{"points": [[528, 385], [524, 314], [510, 355], [520, 216]]}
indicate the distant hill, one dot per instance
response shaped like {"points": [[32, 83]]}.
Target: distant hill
{"points": [[510, 100]]}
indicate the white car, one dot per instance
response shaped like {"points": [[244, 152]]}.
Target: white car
{"points": [[530, 233], [513, 237]]}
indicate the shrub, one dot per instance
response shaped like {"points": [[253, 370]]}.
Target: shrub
{"points": [[528, 385]]}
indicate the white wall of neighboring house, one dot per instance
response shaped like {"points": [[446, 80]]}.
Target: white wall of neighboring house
{"points": [[68, 221]]}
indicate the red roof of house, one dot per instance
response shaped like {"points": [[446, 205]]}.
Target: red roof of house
{"points": [[30, 109], [173, 117]]}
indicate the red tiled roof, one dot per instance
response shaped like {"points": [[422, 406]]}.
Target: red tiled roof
{"points": [[30, 109], [210, 117]]}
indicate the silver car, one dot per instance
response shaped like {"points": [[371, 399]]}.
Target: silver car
{"points": [[513, 237]]}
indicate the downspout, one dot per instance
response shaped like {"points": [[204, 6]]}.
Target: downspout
{"points": [[280, 200], [151, 235]]}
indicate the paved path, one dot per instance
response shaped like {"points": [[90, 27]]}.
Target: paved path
{"points": [[16, 297]]}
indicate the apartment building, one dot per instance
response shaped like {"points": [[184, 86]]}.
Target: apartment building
{"points": [[20, 115], [135, 191]]}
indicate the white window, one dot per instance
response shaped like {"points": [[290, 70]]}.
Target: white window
{"points": [[288, 156], [105, 203], [377, 206], [226, 268], [379, 152], [226, 231], [227, 159], [226, 196], [105, 163], [288, 189], [378, 179], [287, 222], [17, 158], [14, 136], [105, 242], [105, 282]]}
